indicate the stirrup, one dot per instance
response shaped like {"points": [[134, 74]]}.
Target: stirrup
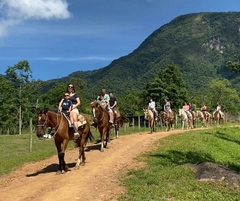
{"points": [[76, 136]]}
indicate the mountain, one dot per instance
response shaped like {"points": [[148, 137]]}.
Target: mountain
{"points": [[200, 44]]}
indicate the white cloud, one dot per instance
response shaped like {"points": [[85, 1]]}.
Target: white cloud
{"points": [[14, 12]]}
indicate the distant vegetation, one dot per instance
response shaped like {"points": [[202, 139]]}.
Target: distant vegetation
{"points": [[193, 58]]}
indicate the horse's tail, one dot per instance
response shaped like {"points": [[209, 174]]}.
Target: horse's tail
{"points": [[89, 137], [124, 119]]}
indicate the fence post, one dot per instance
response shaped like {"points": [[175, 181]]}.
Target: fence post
{"points": [[30, 135], [139, 126]]}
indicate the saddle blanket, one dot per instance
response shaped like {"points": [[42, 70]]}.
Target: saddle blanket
{"points": [[81, 120]]}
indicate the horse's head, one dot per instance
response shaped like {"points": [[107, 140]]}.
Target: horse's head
{"points": [[146, 113], [97, 111], [180, 112], [42, 121]]}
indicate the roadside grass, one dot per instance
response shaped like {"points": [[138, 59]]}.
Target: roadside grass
{"points": [[15, 149], [165, 177]]}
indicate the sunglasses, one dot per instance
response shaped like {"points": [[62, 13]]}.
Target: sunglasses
{"points": [[70, 86]]}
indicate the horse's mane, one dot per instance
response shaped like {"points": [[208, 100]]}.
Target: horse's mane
{"points": [[52, 110]]}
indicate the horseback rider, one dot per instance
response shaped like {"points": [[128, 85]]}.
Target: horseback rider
{"points": [[113, 104], [186, 109], [152, 107], [167, 107], [104, 99], [65, 105], [219, 110], [74, 98], [204, 111]]}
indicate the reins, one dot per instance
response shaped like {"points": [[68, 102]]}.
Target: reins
{"points": [[53, 130]]}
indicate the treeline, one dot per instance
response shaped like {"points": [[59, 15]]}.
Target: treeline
{"points": [[21, 96]]}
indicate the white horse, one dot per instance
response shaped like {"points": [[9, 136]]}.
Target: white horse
{"points": [[186, 122], [148, 115]]}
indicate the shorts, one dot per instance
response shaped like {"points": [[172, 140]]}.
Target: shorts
{"points": [[75, 110]]}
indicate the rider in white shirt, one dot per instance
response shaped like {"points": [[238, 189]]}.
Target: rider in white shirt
{"points": [[219, 110], [152, 107]]}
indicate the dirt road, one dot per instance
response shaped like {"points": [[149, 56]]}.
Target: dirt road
{"points": [[97, 180]]}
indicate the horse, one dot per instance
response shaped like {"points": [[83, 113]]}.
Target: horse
{"points": [[118, 122], [168, 120], [101, 119], [148, 115], [62, 133], [186, 120], [204, 121], [218, 119], [194, 118]]}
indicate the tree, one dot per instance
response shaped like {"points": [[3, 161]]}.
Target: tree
{"points": [[221, 91], [19, 75], [129, 104], [168, 85], [7, 102]]}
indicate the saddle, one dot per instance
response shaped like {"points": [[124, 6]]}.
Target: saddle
{"points": [[81, 120]]}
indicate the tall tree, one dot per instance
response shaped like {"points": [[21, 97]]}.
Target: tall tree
{"points": [[220, 90], [169, 84], [19, 75], [8, 106]]}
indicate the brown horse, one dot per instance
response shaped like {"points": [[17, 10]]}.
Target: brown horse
{"points": [[204, 121], [61, 133], [101, 119], [148, 115], [218, 119], [194, 118], [118, 122], [168, 120]]}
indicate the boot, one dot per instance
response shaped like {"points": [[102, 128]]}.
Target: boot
{"points": [[76, 134]]}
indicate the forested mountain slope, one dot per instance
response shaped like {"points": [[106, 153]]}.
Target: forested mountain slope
{"points": [[199, 44]]}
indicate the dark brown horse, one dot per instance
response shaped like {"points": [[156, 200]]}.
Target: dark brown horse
{"points": [[61, 133], [101, 120], [118, 122], [168, 120]]}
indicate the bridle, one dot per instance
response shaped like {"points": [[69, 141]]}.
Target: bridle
{"points": [[44, 125], [94, 113]]}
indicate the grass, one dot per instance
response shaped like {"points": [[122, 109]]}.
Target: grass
{"points": [[15, 152], [166, 178]]}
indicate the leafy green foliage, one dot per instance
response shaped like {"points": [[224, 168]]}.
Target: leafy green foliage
{"points": [[168, 85]]}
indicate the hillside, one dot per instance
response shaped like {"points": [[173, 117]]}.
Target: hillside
{"points": [[199, 44]]}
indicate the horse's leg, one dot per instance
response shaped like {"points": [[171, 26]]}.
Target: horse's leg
{"points": [[81, 152], [116, 129], [102, 130], [107, 137], [61, 147]]}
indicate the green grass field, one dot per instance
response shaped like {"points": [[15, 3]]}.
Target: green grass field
{"points": [[166, 178], [15, 149]]}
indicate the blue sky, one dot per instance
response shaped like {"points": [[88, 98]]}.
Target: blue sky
{"points": [[59, 37]]}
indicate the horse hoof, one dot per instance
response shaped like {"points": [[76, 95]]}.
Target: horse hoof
{"points": [[102, 150], [76, 168], [58, 172], [82, 163]]}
